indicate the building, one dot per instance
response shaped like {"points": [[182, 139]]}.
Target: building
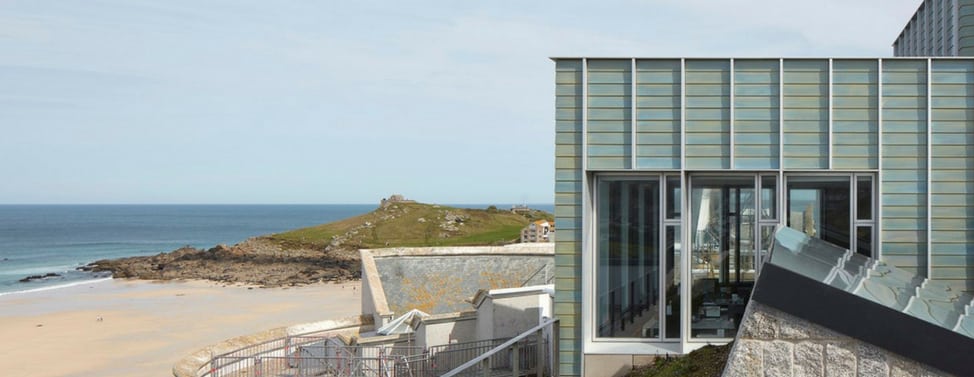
{"points": [[672, 174], [538, 231], [938, 28]]}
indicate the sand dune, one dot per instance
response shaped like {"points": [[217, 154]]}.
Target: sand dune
{"points": [[146, 327]]}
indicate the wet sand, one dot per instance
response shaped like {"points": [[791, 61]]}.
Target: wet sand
{"points": [[145, 327]]}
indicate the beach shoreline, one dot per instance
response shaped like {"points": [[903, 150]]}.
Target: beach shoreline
{"points": [[122, 327]]}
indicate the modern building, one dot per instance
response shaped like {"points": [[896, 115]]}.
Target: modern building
{"points": [[672, 174], [538, 231], [938, 28]]}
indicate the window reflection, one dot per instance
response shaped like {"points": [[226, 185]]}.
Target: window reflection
{"points": [[672, 279], [723, 258], [628, 258], [864, 198], [769, 195], [820, 208]]}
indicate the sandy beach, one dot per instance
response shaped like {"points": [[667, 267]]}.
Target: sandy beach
{"points": [[145, 327]]}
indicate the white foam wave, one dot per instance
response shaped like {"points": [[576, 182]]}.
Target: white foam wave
{"points": [[59, 286]]}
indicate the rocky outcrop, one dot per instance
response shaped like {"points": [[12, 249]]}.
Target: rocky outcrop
{"points": [[39, 277], [255, 261]]}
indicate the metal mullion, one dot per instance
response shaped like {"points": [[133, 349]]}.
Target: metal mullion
{"points": [[632, 114], [685, 272], [955, 39], [684, 214], [929, 164], [683, 115], [756, 228], [781, 114], [878, 187], [584, 155], [661, 262], [830, 115], [731, 124], [588, 306], [781, 190], [853, 212]]}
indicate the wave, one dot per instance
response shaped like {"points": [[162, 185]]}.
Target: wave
{"points": [[58, 286], [115, 244], [22, 272]]}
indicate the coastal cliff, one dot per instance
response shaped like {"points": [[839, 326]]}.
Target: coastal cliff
{"points": [[327, 252]]}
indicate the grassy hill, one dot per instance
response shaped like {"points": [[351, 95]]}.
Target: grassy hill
{"points": [[405, 224]]}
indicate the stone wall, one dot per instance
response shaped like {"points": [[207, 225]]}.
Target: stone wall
{"points": [[440, 280], [773, 343]]}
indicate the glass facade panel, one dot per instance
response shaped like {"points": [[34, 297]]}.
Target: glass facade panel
{"points": [[673, 196], [864, 240], [767, 241], [820, 208], [769, 195], [864, 198], [672, 282], [722, 230], [627, 280]]}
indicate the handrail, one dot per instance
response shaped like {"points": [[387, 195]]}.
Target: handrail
{"points": [[502, 347]]}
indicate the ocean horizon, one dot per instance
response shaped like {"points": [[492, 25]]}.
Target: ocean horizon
{"points": [[37, 239]]}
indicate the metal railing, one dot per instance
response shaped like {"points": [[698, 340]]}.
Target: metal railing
{"points": [[317, 356], [328, 355], [522, 355]]}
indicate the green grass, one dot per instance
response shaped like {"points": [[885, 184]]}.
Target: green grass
{"points": [[411, 225], [708, 361]]}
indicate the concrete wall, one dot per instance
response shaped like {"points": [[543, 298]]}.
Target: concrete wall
{"points": [[773, 343], [506, 313], [373, 296], [448, 328]]}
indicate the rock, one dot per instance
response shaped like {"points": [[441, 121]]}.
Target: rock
{"points": [[39, 277], [254, 261], [221, 248]]}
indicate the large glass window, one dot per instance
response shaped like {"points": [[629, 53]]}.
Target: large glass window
{"points": [[819, 207], [672, 282], [832, 209], [723, 211], [627, 274]]}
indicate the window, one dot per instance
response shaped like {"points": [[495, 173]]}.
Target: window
{"points": [[837, 209], [627, 272], [722, 263], [638, 257]]}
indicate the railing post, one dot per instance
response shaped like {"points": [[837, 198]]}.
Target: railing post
{"points": [[555, 338], [257, 367], [516, 359], [287, 350], [539, 364], [213, 367], [486, 367]]}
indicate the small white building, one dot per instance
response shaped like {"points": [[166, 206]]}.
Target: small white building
{"points": [[538, 231]]}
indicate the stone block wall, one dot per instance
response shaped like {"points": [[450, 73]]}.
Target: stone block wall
{"points": [[773, 343], [439, 280]]}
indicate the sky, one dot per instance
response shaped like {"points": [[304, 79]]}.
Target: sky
{"points": [[277, 102]]}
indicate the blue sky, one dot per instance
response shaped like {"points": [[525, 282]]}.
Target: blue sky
{"points": [[243, 101]]}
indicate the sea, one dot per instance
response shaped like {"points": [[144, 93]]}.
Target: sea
{"points": [[43, 239]]}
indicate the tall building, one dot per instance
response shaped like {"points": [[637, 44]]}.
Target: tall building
{"points": [[938, 28], [672, 174]]}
